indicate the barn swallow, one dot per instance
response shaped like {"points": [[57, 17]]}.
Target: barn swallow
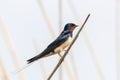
{"points": [[62, 41]]}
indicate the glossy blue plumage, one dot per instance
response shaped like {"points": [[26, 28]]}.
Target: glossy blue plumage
{"points": [[59, 44]]}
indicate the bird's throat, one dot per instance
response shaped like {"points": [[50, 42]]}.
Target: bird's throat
{"points": [[72, 28]]}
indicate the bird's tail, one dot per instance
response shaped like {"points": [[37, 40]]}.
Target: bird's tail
{"points": [[39, 56], [21, 68], [28, 64], [32, 59], [35, 58]]}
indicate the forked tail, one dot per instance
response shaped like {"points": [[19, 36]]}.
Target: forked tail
{"points": [[21, 69], [32, 59], [35, 58]]}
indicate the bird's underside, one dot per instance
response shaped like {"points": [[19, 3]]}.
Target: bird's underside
{"points": [[57, 46], [51, 50]]}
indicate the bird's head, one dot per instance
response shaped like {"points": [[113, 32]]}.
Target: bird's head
{"points": [[70, 26]]}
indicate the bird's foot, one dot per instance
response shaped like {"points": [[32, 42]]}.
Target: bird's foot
{"points": [[60, 55], [65, 50]]}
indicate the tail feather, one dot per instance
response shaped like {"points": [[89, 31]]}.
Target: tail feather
{"points": [[34, 59], [31, 60], [39, 56]]}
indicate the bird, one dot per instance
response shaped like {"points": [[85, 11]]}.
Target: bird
{"points": [[58, 45]]}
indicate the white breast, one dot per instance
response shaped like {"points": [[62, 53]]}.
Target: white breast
{"points": [[64, 45]]}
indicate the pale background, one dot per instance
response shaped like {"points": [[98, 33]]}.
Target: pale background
{"points": [[26, 28]]}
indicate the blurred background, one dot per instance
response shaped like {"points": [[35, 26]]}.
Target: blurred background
{"points": [[28, 26]]}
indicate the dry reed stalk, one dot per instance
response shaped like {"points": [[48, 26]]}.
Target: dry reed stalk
{"points": [[11, 46], [94, 57], [63, 57], [51, 28], [118, 38], [47, 19], [60, 28], [3, 72]]}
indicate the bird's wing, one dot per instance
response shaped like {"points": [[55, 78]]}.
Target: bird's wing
{"points": [[61, 39]]}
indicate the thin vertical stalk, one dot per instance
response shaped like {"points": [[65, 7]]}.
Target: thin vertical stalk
{"points": [[118, 38], [41, 63], [63, 57], [94, 57], [3, 71], [11, 47], [51, 28], [60, 24], [47, 19]]}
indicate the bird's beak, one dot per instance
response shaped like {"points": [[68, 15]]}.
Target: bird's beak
{"points": [[76, 25]]}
